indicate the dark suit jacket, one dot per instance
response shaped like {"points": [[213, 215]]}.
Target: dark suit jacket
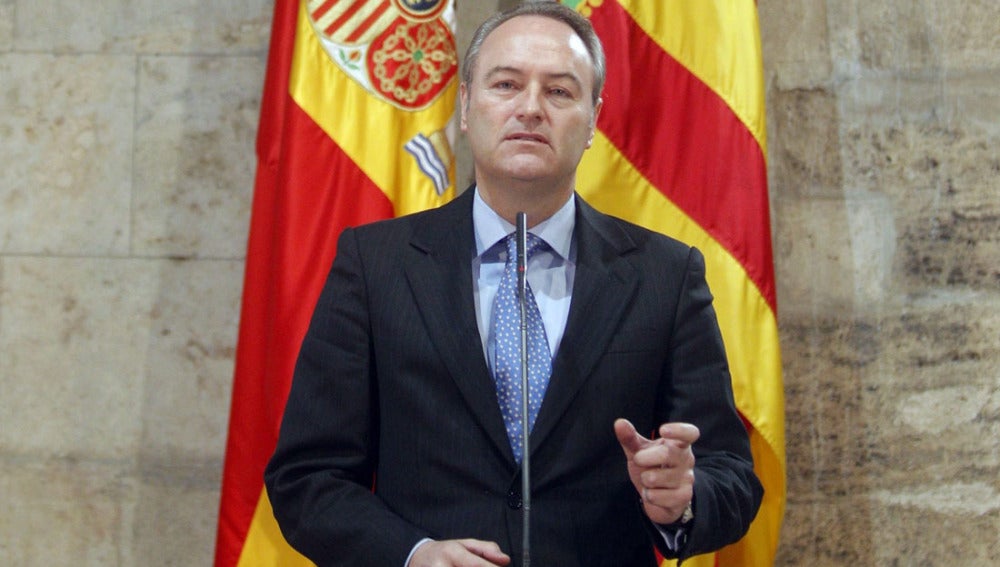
{"points": [[392, 388]]}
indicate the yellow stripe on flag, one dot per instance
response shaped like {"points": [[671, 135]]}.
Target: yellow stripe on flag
{"points": [[265, 545], [726, 55]]}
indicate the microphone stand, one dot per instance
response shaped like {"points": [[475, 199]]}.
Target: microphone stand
{"points": [[521, 238]]}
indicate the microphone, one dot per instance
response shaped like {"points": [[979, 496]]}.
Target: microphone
{"points": [[521, 238]]}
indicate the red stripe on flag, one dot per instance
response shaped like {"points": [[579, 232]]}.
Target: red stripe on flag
{"points": [[368, 22], [322, 10], [358, 4], [240, 489], [684, 138], [301, 203]]}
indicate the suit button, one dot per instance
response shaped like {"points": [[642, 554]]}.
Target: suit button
{"points": [[514, 500]]}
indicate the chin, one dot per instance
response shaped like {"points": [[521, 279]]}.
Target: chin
{"points": [[529, 175], [527, 169]]}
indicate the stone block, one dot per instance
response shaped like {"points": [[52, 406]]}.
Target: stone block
{"points": [[966, 34], [937, 391], [944, 340], [845, 42], [940, 169], [64, 512], [804, 144], [795, 43], [966, 518], [144, 26], [889, 101], [109, 358], [964, 101], [913, 37], [891, 528], [175, 515], [954, 249], [822, 532], [827, 420], [74, 341], [971, 101], [189, 362], [893, 414], [892, 397], [950, 234], [66, 128], [895, 35], [6, 24], [194, 158], [833, 254]]}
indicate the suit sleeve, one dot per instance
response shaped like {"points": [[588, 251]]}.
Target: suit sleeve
{"points": [[727, 492], [319, 480]]}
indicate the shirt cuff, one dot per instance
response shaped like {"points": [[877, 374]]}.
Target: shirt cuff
{"points": [[674, 536], [414, 550]]}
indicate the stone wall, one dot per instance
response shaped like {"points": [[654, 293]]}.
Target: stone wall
{"points": [[126, 172], [884, 125]]}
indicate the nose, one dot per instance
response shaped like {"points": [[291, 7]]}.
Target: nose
{"points": [[530, 108]]}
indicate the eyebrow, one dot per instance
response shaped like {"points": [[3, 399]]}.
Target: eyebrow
{"points": [[507, 69]]}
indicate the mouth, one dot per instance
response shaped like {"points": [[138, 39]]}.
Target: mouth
{"points": [[527, 137]]}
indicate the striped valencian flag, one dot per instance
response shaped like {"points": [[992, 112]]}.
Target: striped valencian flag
{"points": [[681, 149], [357, 102]]}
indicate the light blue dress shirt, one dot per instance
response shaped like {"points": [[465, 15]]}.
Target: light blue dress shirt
{"points": [[550, 273]]}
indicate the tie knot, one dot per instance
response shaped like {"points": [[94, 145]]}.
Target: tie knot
{"points": [[532, 245]]}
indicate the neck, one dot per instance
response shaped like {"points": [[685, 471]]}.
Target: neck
{"points": [[537, 202]]}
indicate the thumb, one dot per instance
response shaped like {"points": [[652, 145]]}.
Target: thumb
{"points": [[629, 438]]}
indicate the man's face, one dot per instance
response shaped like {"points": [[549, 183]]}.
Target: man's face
{"points": [[528, 111]]}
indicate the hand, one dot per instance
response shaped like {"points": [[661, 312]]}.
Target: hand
{"points": [[662, 470], [459, 553]]}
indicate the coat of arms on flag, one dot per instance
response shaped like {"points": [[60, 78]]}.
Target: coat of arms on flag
{"points": [[401, 51]]}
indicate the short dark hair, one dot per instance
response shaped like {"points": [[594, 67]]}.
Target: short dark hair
{"points": [[548, 9]]}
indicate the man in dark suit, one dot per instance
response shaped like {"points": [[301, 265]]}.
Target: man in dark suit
{"points": [[397, 449]]}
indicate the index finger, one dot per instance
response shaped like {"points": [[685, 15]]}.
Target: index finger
{"points": [[686, 433], [630, 439]]}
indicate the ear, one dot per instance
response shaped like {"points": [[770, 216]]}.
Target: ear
{"points": [[593, 121], [463, 98]]}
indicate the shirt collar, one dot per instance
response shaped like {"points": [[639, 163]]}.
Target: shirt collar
{"points": [[556, 231]]}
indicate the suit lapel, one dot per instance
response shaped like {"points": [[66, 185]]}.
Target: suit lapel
{"points": [[438, 269], [605, 284]]}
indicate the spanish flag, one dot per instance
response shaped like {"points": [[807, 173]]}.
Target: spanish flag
{"points": [[354, 127], [681, 149]]}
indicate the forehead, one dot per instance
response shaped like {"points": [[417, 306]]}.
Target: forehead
{"points": [[535, 40]]}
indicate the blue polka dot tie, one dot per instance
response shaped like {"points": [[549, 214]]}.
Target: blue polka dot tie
{"points": [[506, 336]]}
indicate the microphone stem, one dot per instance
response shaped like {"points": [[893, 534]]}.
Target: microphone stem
{"points": [[522, 286]]}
